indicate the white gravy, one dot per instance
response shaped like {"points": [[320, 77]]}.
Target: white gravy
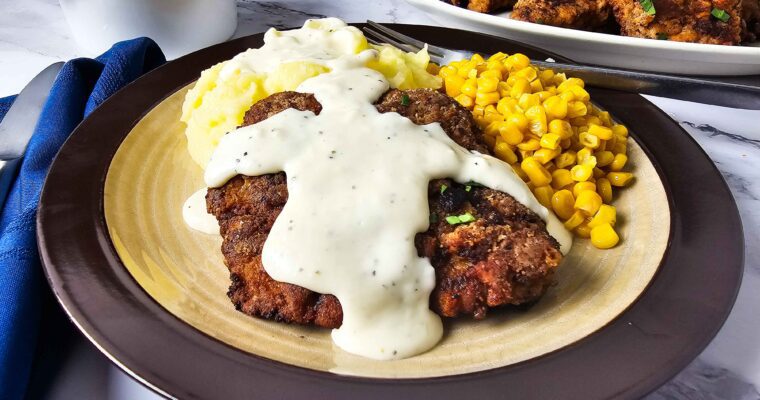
{"points": [[357, 195]]}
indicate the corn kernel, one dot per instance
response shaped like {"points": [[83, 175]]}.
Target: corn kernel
{"points": [[487, 84], [562, 203], [537, 118], [604, 188], [583, 230], [600, 131], [493, 73], [589, 140], [581, 186], [569, 82], [465, 100], [604, 158], [556, 107], [550, 141], [447, 71], [565, 143], [477, 58], [546, 76], [519, 120], [544, 195], [620, 130], [620, 179], [588, 201], [470, 87], [561, 178], [604, 236], [618, 162], [486, 98], [576, 109], [581, 173], [510, 133], [517, 61], [520, 87], [545, 155], [507, 106], [490, 140], [536, 172], [606, 215], [575, 220], [519, 172], [567, 96], [598, 173], [505, 153], [537, 87], [497, 56], [532, 144], [525, 153], [528, 100], [565, 159], [453, 85]]}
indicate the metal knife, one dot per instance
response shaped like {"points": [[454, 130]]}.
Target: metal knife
{"points": [[18, 125]]}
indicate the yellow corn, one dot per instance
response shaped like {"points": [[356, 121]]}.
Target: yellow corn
{"points": [[550, 141], [545, 155], [544, 195], [605, 189], [536, 172], [565, 159], [561, 178], [588, 201], [581, 186], [581, 173], [583, 230], [562, 203], [575, 220], [604, 236], [606, 215], [618, 162], [620, 179], [570, 152]]}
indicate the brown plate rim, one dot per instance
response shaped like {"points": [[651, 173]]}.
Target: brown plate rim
{"points": [[672, 321]]}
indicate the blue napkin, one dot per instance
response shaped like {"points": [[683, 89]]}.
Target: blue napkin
{"points": [[81, 86]]}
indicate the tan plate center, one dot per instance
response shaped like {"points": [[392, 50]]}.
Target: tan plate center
{"points": [[151, 176]]}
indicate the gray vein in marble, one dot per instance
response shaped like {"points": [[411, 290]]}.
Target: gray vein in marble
{"points": [[702, 381], [282, 16], [713, 132]]}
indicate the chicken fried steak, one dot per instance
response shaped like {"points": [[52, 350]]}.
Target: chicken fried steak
{"points": [[577, 14], [504, 257]]}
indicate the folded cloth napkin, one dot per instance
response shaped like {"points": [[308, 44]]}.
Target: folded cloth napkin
{"points": [[81, 86]]}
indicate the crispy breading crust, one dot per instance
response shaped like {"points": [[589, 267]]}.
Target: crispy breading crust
{"points": [[577, 14], [484, 6], [505, 257], [680, 20]]}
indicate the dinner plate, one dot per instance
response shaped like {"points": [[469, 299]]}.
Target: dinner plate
{"points": [[150, 293], [606, 49]]}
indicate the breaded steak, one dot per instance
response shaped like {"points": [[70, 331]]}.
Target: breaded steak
{"points": [[680, 20], [505, 257], [484, 6], [577, 14]]}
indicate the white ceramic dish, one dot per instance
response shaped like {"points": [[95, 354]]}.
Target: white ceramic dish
{"points": [[606, 49]]}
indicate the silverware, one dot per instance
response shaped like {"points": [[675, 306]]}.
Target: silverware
{"points": [[18, 125], [713, 91]]}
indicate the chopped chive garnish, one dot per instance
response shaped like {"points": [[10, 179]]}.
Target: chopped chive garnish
{"points": [[443, 188], [467, 188], [648, 7], [404, 100], [720, 14], [460, 219], [662, 36]]}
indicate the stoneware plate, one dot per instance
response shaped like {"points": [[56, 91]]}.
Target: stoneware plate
{"points": [[606, 49], [151, 294]]}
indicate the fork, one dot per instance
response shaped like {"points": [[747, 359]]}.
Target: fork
{"points": [[726, 94]]}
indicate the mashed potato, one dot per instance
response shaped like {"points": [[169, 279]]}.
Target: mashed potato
{"points": [[224, 92]]}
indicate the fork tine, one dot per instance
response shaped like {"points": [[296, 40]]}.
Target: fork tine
{"points": [[391, 41], [439, 51]]}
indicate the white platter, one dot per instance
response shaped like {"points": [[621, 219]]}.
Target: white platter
{"points": [[605, 49]]}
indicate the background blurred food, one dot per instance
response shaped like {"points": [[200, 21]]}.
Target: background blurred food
{"points": [[725, 22]]}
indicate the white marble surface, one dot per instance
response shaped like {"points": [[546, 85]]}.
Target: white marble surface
{"points": [[33, 34]]}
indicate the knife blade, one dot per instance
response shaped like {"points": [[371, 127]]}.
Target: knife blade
{"points": [[18, 125]]}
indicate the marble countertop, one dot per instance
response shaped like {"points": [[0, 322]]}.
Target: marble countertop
{"points": [[34, 34]]}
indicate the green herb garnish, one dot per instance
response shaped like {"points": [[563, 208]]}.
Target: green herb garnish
{"points": [[404, 100], [662, 36], [720, 14], [648, 7], [443, 188], [460, 219], [467, 188]]}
